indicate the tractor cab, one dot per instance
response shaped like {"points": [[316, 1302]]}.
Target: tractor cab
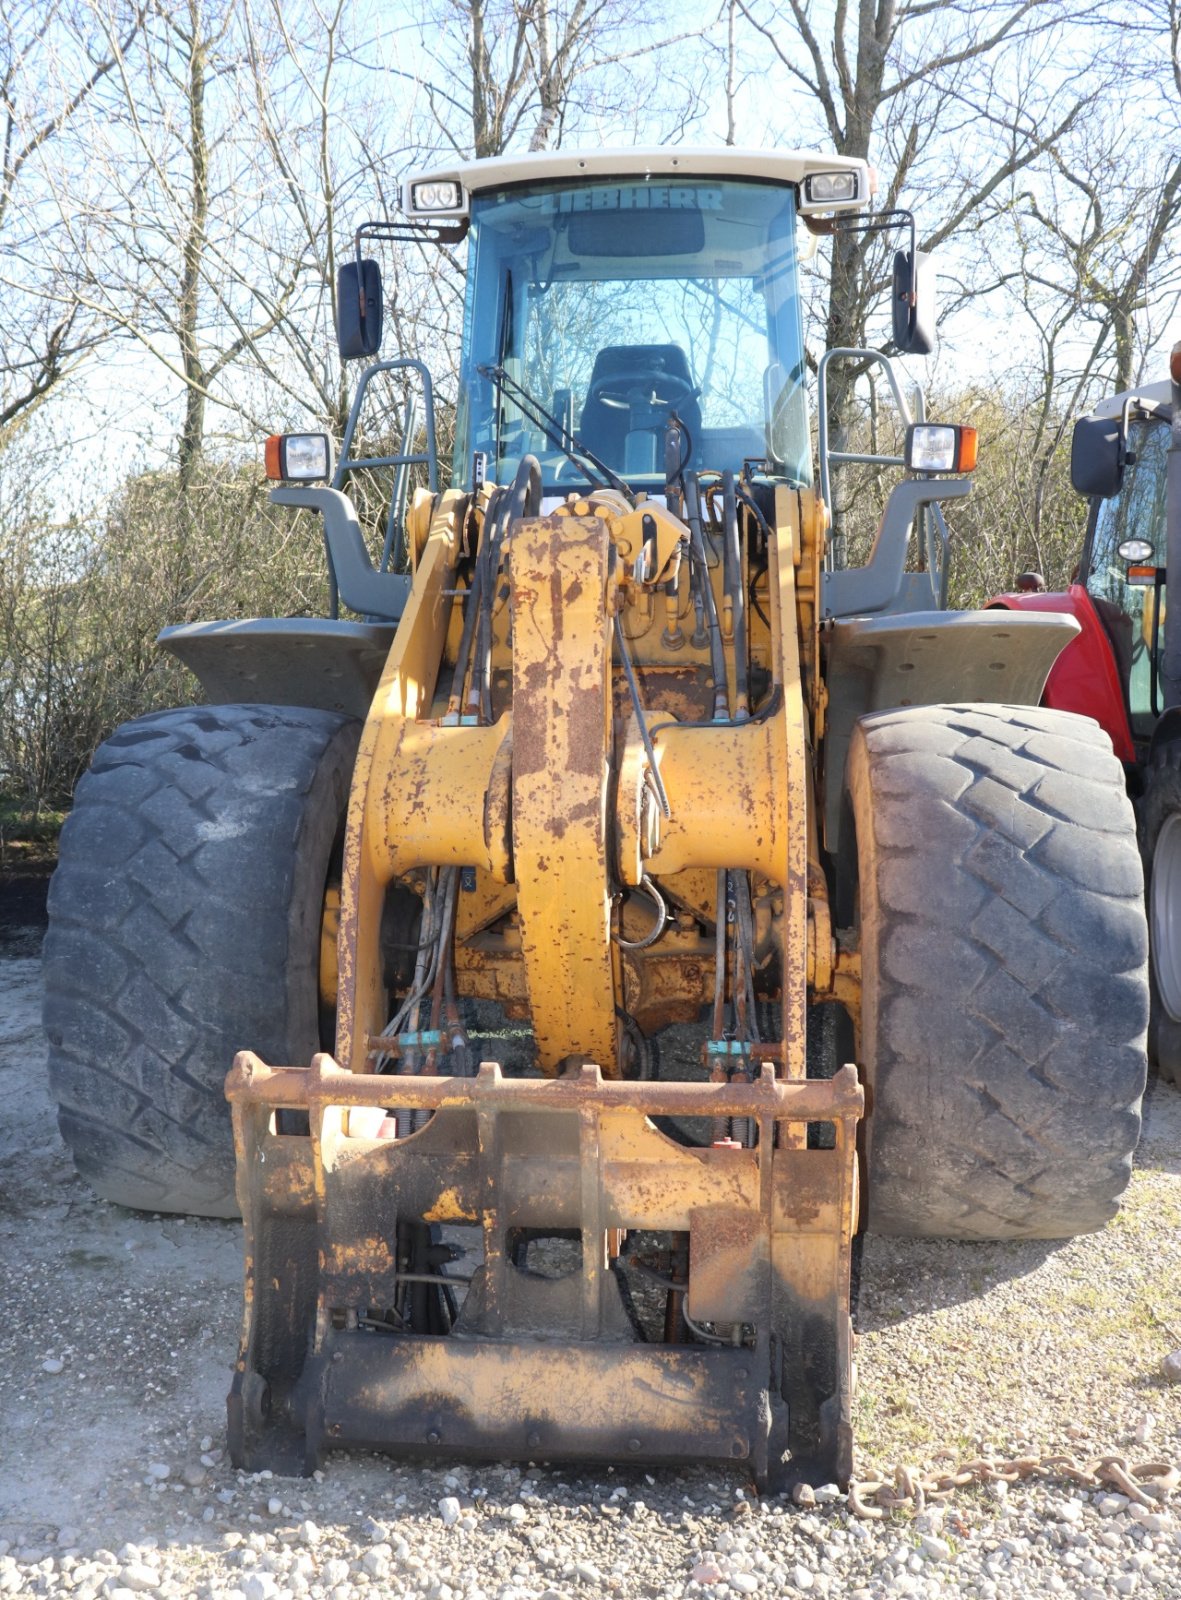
{"points": [[1124, 562], [609, 293], [1114, 670], [598, 311]]}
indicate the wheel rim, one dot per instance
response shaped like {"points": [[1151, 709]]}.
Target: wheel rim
{"points": [[1165, 915]]}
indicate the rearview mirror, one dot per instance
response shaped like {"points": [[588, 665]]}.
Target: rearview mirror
{"points": [[358, 309], [1098, 456], [914, 302]]}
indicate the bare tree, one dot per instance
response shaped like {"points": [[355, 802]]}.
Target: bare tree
{"points": [[505, 73], [55, 65], [947, 101], [1111, 249], [224, 167]]}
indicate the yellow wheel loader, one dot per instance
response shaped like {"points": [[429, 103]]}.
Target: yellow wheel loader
{"points": [[629, 902]]}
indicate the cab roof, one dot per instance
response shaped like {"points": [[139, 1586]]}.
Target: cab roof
{"points": [[658, 161]]}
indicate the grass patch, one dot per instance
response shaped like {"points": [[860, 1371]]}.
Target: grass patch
{"points": [[28, 837]]}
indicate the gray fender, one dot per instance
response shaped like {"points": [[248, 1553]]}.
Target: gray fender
{"points": [[930, 658], [285, 661]]}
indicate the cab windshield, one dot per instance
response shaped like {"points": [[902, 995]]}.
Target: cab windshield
{"points": [[1137, 512], [615, 306]]}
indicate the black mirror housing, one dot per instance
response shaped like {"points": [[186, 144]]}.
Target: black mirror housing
{"points": [[915, 317], [358, 309], [1098, 455]]}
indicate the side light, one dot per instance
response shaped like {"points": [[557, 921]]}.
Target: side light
{"points": [[939, 447], [830, 188], [1144, 577], [435, 197], [298, 457], [1138, 550]]}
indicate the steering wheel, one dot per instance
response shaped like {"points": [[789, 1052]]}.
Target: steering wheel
{"points": [[622, 392]]}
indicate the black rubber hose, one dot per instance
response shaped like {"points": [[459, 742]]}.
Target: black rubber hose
{"points": [[522, 500], [735, 588], [717, 654]]}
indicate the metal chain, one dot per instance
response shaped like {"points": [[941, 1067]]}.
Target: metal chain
{"points": [[873, 1499]]}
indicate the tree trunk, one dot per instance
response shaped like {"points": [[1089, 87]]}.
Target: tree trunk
{"points": [[192, 437]]}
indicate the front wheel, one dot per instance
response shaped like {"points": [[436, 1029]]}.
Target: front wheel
{"points": [[1160, 810], [1004, 971], [184, 925]]}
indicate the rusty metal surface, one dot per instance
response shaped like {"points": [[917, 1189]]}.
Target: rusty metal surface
{"points": [[538, 806], [561, 749], [530, 1401], [325, 1083], [767, 1230]]}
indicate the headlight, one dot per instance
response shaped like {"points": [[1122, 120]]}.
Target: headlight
{"points": [[302, 457], [435, 197], [1136, 550], [834, 188], [934, 447]]}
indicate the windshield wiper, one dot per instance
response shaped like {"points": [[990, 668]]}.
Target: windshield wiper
{"points": [[576, 454]]}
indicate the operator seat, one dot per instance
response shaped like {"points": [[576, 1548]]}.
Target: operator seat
{"points": [[606, 422]]}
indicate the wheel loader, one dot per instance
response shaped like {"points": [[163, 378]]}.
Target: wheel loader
{"points": [[627, 902], [1124, 669]]}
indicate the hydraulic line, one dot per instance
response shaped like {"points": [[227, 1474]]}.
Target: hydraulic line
{"points": [[736, 589], [699, 570], [479, 686], [471, 608], [634, 691], [523, 499], [658, 926], [721, 1125]]}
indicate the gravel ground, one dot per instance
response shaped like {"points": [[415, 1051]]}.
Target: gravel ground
{"points": [[118, 1332]]}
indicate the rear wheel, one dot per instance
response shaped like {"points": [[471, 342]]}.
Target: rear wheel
{"points": [[184, 925], [1004, 982], [1161, 823]]}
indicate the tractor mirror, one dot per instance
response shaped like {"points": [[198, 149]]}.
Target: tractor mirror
{"points": [[358, 309], [914, 302], [1098, 455]]}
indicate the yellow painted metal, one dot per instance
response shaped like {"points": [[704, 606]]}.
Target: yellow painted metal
{"points": [[561, 612], [534, 819], [445, 798], [329, 933], [728, 792], [403, 695], [786, 669]]}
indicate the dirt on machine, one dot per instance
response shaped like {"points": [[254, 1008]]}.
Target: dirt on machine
{"points": [[613, 904]]}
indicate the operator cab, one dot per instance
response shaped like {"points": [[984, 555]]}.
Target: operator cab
{"points": [[617, 306], [1124, 561], [608, 293]]}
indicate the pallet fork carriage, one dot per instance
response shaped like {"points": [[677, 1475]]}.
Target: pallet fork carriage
{"points": [[545, 1368], [618, 751]]}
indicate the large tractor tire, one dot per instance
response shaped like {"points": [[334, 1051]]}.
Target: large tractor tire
{"points": [[1004, 971], [184, 925], [1160, 820]]}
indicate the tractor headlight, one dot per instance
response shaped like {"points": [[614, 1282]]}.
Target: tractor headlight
{"points": [[1136, 550], [933, 447], [299, 457], [435, 197], [830, 188]]}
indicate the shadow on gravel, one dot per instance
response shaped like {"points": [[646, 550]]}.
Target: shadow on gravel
{"points": [[896, 1279], [1160, 1141], [23, 916], [903, 1278]]}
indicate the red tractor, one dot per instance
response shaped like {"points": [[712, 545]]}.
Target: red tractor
{"points": [[1124, 667]]}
